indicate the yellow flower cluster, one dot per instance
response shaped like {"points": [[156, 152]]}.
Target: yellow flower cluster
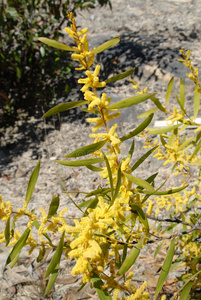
{"points": [[177, 201], [5, 209], [194, 76], [175, 154], [136, 294]]}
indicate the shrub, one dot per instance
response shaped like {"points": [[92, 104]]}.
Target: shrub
{"points": [[23, 60], [115, 223]]}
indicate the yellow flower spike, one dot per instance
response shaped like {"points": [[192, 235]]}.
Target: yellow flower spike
{"points": [[92, 81], [116, 294], [82, 31]]}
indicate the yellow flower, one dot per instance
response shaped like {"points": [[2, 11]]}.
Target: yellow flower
{"points": [[92, 80], [5, 209]]}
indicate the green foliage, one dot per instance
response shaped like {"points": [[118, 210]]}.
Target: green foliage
{"points": [[24, 60], [115, 223]]}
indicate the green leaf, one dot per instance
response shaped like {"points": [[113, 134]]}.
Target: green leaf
{"points": [[197, 148], [139, 182], [32, 182], [109, 173], [182, 93], [186, 290], [18, 246], [168, 192], [41, 254], [139, 129], [79, 163], [185, 143], [53, 206], [42, 51], [106, 45], [19, 73], [97, 283], [181, 106], [130, 153], [120, 76], [164, 129], [86, 150], [55, 44], [14, 260], [52, 279], [169, 90], [131, 258], [12, 11], [98, 192], [118, 184], [141, 215], [142, 158], [129, 101], [88, 202], [157, 103], [158, 249], [63, 107], [196, 102], [166, 268], [147, 113], [56, 258], [7, 231], [92, 204], [94, 169]]}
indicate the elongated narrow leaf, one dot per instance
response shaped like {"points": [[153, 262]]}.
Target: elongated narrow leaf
{"points": [[56, 258], [79, 163], [106, 45], [169, 90], [53, 206], [181, 106], [88, 202], [165, 269], [168, 192], [157, 103], [63, 107], [185, 291], [142, 159], [164, 129], [120, 76], [139, 129], [7, 231], [141, 215], [139, 182], [129, 101], [94, 169], [131, 258], [118, 183], [182, 92], [32, 182], [41, 254], [109, 173], [92, 204], [98, 192], [18, 246], [130, 153], [86, 150], [55, 44], [52, 279], [158, 249], [196, 102], [185, 143], [197, 148], [97, 283], [147, 113]]}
